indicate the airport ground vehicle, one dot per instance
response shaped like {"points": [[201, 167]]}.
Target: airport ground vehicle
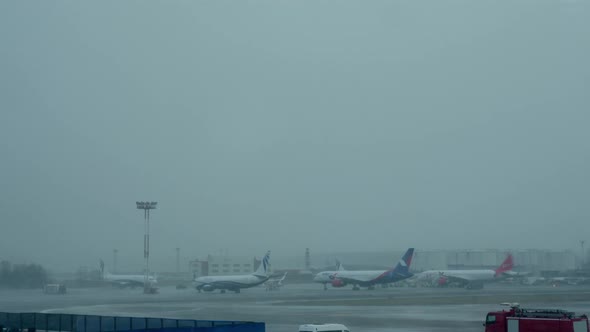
{"points": [[323, 328], [54, 289], [518, 319]]}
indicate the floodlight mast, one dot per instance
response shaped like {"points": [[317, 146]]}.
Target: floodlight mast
{"points": [[115, 252], [146, 207]]}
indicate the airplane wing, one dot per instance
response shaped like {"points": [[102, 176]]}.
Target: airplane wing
{"points": [[126, 283], [355, 279], [462, 278], [275, 279], [516, 274], [276, 282]]}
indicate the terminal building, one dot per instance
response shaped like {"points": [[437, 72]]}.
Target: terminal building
{"points": [[531, 260], [224, 265], [537, 261]]}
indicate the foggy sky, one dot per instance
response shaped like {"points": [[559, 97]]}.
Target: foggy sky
{"points": [[334, 125]]}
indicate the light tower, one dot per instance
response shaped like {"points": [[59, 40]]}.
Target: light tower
{"points": [[115, 252], [177, 260], [583, 253], [146, 207]]}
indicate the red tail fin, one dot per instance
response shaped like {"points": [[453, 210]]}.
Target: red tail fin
{"points": [[507, 265]]}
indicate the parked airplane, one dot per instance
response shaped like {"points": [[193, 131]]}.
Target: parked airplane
{"points": [[534, 281], [521, 275], [471, 279], [237, 282], [371, 278], [571, 281], [275, 284], [126, 280], [324, 276]]}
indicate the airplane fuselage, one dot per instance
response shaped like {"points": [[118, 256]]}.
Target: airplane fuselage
{"points": [[369, 278], [324, 277], [233, 283], [129, 279], [471, 275]]}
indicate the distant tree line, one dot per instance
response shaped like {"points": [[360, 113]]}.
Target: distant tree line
{"points": [[22, 275]]}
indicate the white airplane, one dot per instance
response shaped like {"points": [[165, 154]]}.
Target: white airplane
{"points": [[471, 279], [275, 284], [534, 281], [126, 280], [237, 282], [371, 278], [129, 280], [324, 277], [557, 281]]}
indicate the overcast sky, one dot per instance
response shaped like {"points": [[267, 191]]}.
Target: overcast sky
{"points": [[334, 125]]}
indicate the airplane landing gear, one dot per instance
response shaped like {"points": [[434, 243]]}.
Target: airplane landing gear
{"points": [[223, 291], [355, 287], [371, 288], [325, 287], [237, 291]]}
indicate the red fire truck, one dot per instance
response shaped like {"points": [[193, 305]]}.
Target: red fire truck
{"points": [[518, 319]]}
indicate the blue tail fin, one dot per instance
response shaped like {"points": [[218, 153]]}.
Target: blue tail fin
{"points": [[264, 266], [403, 266], [399, 272]]}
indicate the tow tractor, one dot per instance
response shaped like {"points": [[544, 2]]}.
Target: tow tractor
{"points": [[519, 319]]}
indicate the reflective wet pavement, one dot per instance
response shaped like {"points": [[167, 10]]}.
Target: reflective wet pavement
{"points": [[391, 309]]}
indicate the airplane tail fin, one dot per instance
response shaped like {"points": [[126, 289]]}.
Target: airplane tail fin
{"points": [[506, 265], [339, 266], [401, 270], [101, 268], [264, 266], [403, 266]]}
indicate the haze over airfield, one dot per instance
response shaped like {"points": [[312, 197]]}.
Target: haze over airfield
{"points": [[334, 125]]}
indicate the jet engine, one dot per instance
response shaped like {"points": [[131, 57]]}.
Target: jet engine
{"points": [[208, 288], [338, 283]]}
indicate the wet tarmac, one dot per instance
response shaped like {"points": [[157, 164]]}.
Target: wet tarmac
{"points": [[389, 309]]}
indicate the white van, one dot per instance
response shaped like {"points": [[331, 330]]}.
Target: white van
{"points": [[323, 328]]}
